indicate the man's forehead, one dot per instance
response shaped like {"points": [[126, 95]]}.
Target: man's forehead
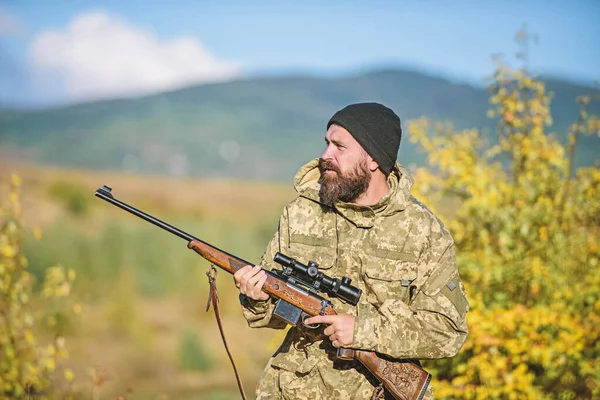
{"points": [[339, 133]]}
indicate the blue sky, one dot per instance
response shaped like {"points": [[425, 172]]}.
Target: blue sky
{"points": [[69, 51]]}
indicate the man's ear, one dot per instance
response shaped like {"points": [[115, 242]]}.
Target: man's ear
{"points": [[372, 164]]}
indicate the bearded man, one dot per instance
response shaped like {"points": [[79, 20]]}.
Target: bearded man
{"points": [[354, 216]]}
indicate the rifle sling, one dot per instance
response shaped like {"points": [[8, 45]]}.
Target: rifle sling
{"points": [[214, 297], [378, 393]]}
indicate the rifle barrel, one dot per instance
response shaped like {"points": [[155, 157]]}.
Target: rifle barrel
{"points": [[105, 194]]}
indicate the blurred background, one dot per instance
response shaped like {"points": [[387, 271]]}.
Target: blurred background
{"points": [[200, 113]]}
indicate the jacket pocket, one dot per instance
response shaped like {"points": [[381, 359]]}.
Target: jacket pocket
{"points": [[290, 358], [306, 248], [294, 363], [390, 279]]}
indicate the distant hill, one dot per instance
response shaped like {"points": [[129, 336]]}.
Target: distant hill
{"points": [[263, 128]]}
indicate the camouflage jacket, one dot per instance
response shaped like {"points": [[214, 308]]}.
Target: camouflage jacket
{"points": [[402, 257]]}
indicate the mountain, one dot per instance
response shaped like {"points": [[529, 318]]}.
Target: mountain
{"points": [[260, 128]]}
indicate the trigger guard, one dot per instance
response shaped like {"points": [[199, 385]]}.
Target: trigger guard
{"points": [[304, 316]]}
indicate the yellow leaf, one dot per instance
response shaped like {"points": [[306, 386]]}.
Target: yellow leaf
{"points": [[15, 180], [8, 251], [592, 244], [13, 198], [69, 375], [29, 336], [543, 233]]}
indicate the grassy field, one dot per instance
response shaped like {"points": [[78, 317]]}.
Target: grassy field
{"points": [[143, 331]]}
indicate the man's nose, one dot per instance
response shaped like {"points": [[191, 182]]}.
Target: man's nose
{"points": [[327, 153]]}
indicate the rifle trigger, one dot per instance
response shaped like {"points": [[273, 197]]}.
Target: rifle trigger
{"points": [[323, 307], [304, 316]]}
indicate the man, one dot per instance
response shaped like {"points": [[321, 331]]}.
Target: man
{"points": [[355, 217]]}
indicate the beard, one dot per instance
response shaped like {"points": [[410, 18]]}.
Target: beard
{"points": [[343, 187]]}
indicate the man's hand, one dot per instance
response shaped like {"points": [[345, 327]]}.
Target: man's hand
{"points": [[340, 329], [250, 281]]}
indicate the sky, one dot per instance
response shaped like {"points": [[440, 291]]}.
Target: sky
{"points": [[67, 51]]}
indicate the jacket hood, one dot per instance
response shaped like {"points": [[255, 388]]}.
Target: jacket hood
{"points": [[306, 183]]}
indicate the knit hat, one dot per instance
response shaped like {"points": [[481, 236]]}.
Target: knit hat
{"points": [[376, 128]]}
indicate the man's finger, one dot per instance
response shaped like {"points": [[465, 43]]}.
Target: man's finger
{"points": [[256, 287], [246, 272], [241, 272], [321, 319], [329, 330], [245, 280], [262, 280], [254, 280]]}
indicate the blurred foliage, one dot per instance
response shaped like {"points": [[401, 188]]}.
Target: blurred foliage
{"points": [[223, 396], [160, 262], [527, 235], [193, 354], [72, 195], [28, 366]]}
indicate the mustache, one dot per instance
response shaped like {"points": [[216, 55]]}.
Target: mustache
{"points": [[325, 165]]}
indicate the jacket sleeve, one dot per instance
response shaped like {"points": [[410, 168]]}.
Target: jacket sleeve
{"points": [[259, 313], [433, 324]]}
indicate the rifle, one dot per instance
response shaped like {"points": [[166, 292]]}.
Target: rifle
{"points": [[295, 287]]}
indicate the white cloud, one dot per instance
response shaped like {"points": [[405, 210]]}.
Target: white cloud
{"points": [[100, 56]]}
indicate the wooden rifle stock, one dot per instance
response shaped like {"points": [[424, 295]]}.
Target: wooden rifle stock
{"points": [[403, 379]]}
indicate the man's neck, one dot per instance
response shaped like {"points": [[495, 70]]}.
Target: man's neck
{"points": [[377, 189]]}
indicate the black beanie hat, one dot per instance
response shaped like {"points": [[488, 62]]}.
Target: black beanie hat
{"points": [[376, 128]]}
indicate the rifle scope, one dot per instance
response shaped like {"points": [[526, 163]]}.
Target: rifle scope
{"points": [[337, 287]]}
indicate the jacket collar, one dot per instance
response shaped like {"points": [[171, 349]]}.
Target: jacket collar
{"points": [[307, 185]]}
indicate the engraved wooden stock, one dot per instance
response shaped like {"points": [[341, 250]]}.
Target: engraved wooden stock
{"points": [[403, 379]]}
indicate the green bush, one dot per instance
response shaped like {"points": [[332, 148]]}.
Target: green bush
{"points": [[30, 362], [526, 231], [73, 196], [193, 355]]}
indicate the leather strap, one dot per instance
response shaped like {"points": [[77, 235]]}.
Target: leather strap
{"points": [[378, 393], [214, 297]]}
